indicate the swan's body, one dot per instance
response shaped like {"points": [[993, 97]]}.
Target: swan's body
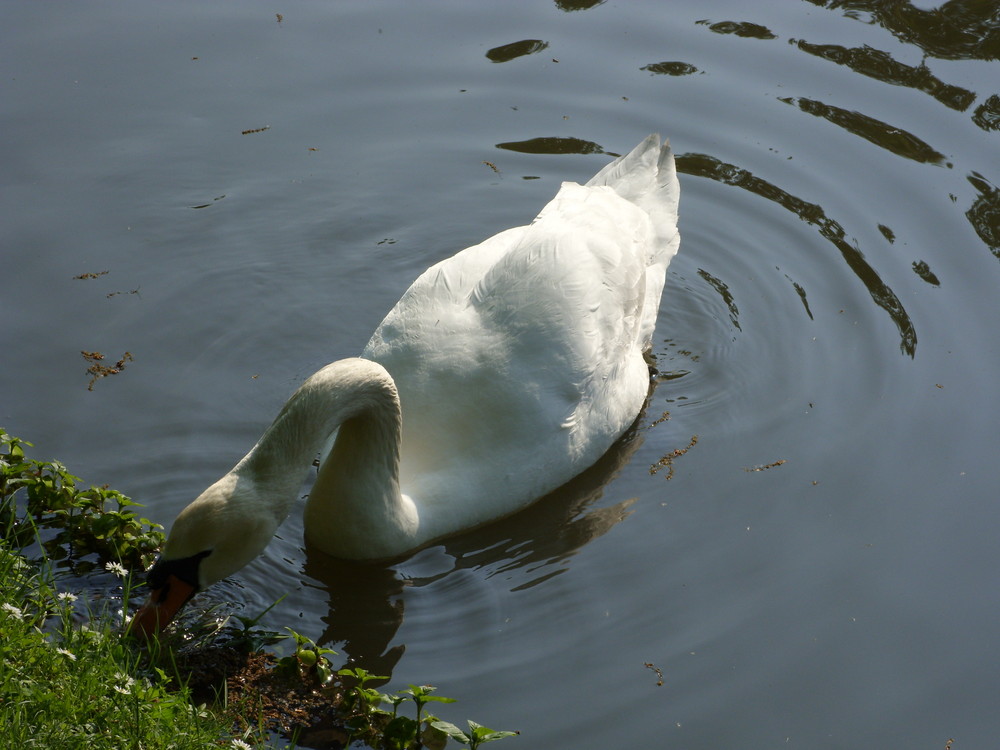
{"points": [[502, 372]]}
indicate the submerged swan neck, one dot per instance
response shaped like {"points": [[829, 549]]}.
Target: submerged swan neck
{"points": [[355, 395]]}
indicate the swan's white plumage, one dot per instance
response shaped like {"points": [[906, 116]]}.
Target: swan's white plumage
{"points": [[518, 362]]}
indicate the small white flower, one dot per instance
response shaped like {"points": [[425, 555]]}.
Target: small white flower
{"points": [[125, 688], [69, 654], [117, 568], [10, 608], [240, 745], [65, 596]]}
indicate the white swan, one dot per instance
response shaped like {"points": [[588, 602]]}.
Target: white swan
{"points": [[502, 373]]}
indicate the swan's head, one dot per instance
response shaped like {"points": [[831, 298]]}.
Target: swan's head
{"points": [[212, 538]]}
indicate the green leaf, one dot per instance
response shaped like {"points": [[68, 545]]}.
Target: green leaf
{"points": [[104, 524], [476, 735], [422, 694], [431, 737], [323, 672], [363, 676], [452, 731], [481, 734], [439, 699], [400, 732]]}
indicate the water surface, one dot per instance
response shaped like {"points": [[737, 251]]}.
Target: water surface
{"points": [[816, 567]]}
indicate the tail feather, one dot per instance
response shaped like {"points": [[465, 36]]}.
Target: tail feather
{"points": [[649, 167], [647, 176]]}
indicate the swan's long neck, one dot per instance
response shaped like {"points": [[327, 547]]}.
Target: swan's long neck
{"points": [[355, 501]]}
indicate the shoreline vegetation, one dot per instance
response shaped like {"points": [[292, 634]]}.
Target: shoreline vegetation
{"points": [[69, 677]]}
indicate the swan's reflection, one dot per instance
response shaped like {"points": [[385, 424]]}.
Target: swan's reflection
{"points": [[366, 601], [366, 609]]}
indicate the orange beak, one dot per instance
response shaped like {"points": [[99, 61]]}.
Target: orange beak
{"points": [[161, 607]]}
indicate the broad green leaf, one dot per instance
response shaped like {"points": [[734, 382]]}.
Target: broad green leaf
{"points": [[452, 731]]}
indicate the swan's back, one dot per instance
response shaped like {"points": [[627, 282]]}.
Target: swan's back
{"points": [[519, 361]]}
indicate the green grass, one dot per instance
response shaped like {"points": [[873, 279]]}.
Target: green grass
{"points": [[65, 685]]}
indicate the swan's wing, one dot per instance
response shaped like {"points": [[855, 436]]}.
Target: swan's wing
{"points": [[519, 361], [527, 376], [568, 296]]}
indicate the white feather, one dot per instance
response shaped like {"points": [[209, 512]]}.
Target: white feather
{"points": [[517, 363]]}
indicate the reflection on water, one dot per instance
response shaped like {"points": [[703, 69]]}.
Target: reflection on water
{"points": [[984, 215], [365, 609], [921, 269], [539, 541], [959, 29], [802, 296], [881, 66], [970, 28], [571, 5], [508, 52], [727, 296], [670, 68], [554, 145], [956, 30], [886, 136], [530, 547], [744, 29], [987, 114], [701, 165]]}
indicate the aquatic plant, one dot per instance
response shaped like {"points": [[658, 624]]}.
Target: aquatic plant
{"points": [[476, 736], [41, 500]]}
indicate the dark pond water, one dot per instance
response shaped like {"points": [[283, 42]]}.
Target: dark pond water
{"points": [[833, 307]]}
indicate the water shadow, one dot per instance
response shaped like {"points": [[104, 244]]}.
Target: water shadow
{"points": [[744, 29], [366, 603], [984, 214], [568, 6], [882, 134], [881, 66], [958, 30], [552, 145], [508, 52], [955, 30], [671, 68], [727, 296], [702, 165]]}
